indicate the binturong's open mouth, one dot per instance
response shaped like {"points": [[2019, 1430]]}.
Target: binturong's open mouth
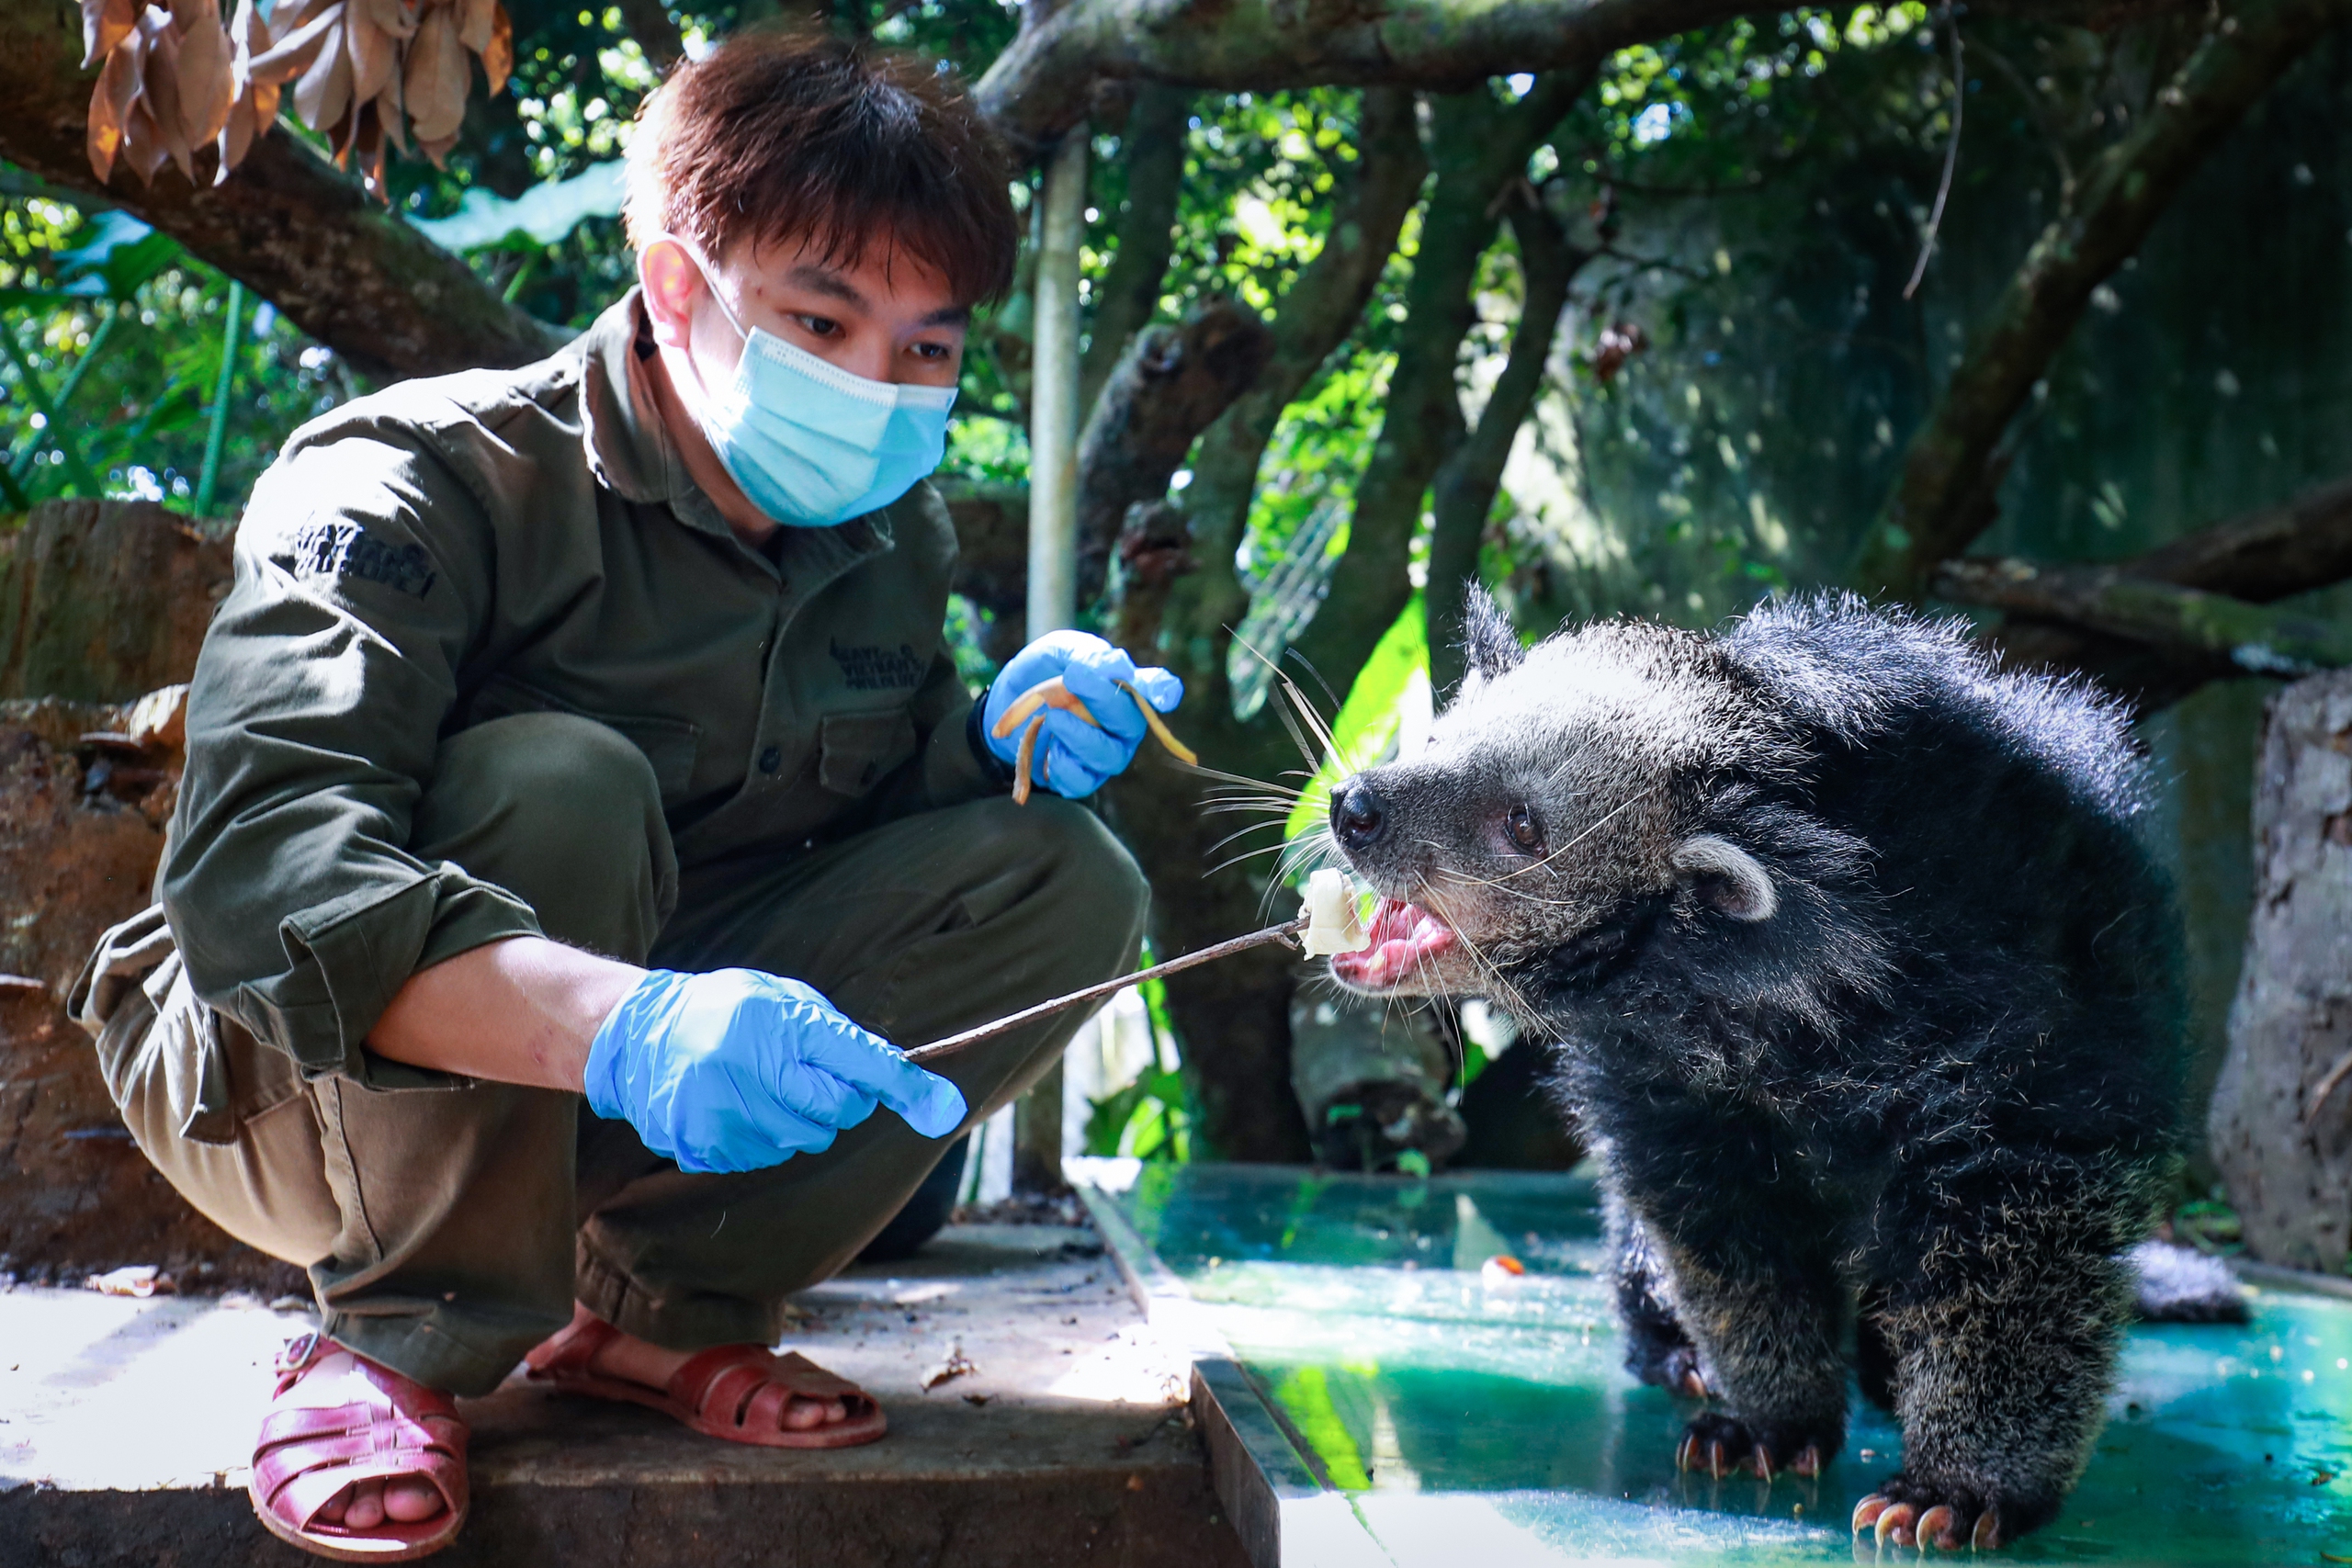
{"points": [[1403, 936]]}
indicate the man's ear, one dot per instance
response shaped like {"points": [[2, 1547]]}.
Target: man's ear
{"points": [[673, 285], [1726, 877], [1490, 645]]}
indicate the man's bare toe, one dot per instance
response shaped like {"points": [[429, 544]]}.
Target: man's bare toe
{"points": [[803, 1414], [410, 1500], [1894, 1525], [363, 1508]]}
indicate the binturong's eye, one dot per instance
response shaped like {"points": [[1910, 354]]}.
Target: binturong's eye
{"points": [[1520, 826]]}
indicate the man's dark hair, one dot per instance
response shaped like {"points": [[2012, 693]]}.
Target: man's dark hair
{"points": [[786, 135]]}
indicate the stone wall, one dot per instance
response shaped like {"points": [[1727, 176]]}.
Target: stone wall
{"points": [[102, 607]]}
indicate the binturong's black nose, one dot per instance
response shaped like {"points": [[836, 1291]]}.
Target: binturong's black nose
{"points": [[1358, 816]]}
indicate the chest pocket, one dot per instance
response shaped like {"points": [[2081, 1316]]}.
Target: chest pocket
{"points": [[667, 743], [858, 750]]}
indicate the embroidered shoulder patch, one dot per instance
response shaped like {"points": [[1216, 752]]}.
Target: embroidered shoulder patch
{"points": [[347, 549], [880, 669]]}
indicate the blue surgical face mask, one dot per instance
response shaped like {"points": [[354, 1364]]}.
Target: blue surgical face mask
{"points": [[812, 445]]}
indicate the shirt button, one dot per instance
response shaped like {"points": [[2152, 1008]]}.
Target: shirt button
{"points": [[771, 760]]}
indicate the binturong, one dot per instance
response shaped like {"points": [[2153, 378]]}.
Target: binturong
{"points": [[1864, 989]]}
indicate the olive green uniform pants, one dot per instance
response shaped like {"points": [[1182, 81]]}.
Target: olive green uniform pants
{"points": [[449, 1230]]}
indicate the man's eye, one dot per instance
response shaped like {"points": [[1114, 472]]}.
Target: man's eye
{"points": [[821, 327], [933, 352], [1521, 825]]}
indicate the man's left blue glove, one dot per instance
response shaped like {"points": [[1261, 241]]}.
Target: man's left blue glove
{"points": [[1077, 756], [738, 1070]]}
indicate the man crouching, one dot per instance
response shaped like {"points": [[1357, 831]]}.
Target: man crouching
{"points": [[581, 736]]}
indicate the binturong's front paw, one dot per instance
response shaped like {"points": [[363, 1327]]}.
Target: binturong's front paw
{"points": [[1904, 1512], [1721, 1444]]}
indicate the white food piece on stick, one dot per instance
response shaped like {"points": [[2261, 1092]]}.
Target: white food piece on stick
{"points": [[1330, 907]]}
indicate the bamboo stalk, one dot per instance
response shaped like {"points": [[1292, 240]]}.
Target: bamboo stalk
{"points": [[37, 392], [1287, 931], [216, 439], [23, 466]]}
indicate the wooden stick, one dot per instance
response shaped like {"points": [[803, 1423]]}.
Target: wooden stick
{"points": [[1287, 931]]}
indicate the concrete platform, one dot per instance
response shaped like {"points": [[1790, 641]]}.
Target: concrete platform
{"points": [[125, 1428]]}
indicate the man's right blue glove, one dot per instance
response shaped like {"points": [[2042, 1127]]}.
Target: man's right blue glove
{"points": [[738, 1070]]}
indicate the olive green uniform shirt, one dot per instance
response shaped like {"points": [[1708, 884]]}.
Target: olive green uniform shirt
{"points": [[458, 549]]}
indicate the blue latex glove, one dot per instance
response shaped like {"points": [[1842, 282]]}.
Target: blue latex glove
{"points": [[737, 1070], [1076, 757]]}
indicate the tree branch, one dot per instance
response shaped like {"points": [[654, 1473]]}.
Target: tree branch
{"points": [[1943, 499], [2260, 558], [1479, 148], [1153, 143], [1467, 484], [2252, 638], [1168, 389], [287, 224], [1315, 314]]}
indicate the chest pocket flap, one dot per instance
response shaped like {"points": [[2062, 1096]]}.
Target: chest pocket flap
{"points": [[858, 750]]}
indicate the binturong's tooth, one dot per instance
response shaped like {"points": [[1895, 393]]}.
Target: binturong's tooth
{"points": [[1332, 924]]}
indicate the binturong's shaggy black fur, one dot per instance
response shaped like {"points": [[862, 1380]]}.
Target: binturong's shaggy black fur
{"points": [[1866, 989]]}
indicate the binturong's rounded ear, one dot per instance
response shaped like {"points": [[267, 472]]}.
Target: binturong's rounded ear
{"points": [[1726, 876]]}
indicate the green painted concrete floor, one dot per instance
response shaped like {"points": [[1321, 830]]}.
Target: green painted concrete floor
{"points": [[1466, 1415]]}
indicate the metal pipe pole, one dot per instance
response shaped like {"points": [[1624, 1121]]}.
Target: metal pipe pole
{"points": [[1053, 396], [1053, 532]]}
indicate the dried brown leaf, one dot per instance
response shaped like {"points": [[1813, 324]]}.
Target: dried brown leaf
{"points": [[265, 105], [375, 53], [142, 143], [323, 93], [394, 17], [498, 59], [206, 74], [435, 86], [295, 52], [162, 95], [109, 105], [391, 116], [474, 24], [438, 149], [105, 23], [237, 136]]}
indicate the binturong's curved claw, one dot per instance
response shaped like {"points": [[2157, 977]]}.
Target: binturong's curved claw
{"points": [[1808, 1461], [1867, 1511], [1895, 1524], [1939, 1528], [1693, 1384], [1761, 1462], [1686, 1453], [1987, 1534]]}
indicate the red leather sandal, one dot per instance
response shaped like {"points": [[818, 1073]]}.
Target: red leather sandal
{"points": [[738, 1393], [396, 1430]]}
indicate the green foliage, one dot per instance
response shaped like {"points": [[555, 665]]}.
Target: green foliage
{"points": [[119, 331], [1367, 724]]}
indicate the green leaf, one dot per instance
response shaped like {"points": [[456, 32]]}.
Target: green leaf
{"points": [[115, 254], [1371, 717], [541, 216]]}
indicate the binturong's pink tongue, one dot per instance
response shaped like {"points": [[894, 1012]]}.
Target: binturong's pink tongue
{"points": [[1402, 935]]}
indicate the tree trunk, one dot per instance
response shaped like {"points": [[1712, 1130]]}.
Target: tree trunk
{"points": [[1478, 148], [1944, 497], [1154, 144], [287, 224], [1467, 485], [2281, 1119]]}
